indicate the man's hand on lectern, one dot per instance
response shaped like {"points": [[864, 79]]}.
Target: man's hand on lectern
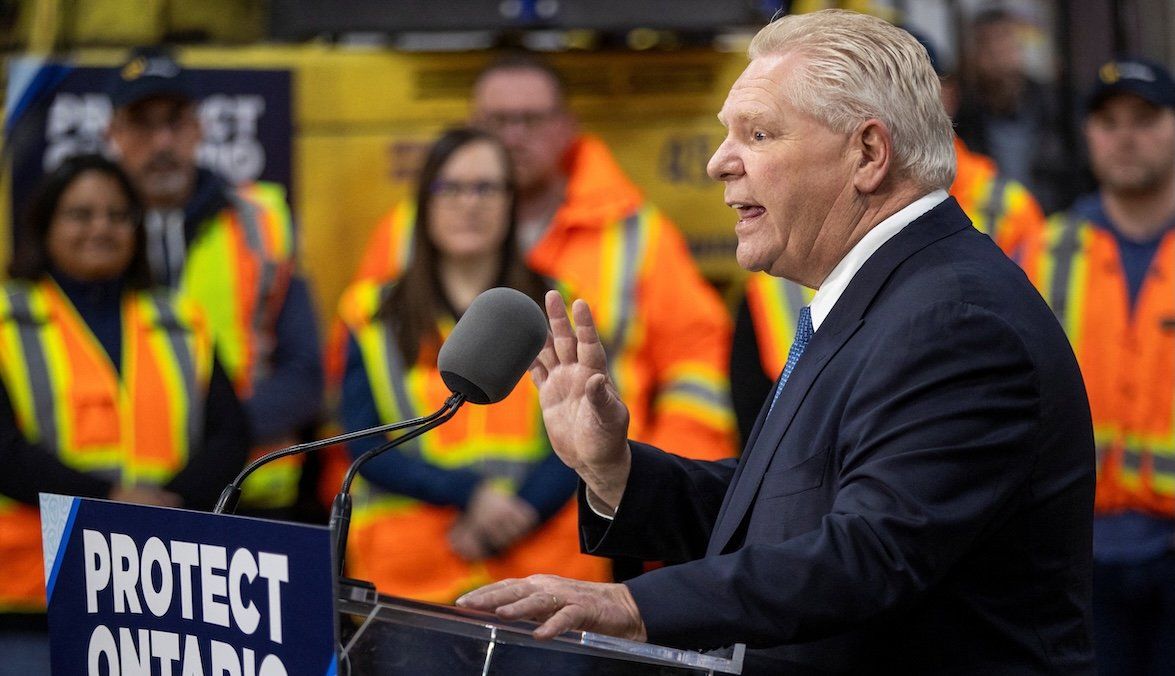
{"points": [[561, 604]]}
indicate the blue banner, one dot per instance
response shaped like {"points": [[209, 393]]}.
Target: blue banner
{"points": [[61, 110], [148, 590]]}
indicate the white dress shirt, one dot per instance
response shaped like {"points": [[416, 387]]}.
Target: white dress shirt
{"points": [[838, 280]]}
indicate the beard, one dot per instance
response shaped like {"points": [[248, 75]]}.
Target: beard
{"points": [[166, 181], [1134, 180]]}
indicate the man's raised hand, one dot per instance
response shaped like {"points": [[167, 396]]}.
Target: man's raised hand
{"points": [[586, 421]]}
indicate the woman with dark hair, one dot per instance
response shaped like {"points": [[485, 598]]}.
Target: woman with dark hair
{"points": [[108, 387], [483, 497]]}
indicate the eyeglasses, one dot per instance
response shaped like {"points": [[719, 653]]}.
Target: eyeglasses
{"points": [[527, 119], [451, 190], [87, 215]]}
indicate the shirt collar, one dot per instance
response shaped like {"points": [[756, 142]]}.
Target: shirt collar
{"points": [[838, 280]]}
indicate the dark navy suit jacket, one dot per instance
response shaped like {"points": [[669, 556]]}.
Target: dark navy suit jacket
{"points": [[919, 501]]}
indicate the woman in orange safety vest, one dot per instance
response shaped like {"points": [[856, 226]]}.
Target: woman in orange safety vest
{"points": [[108, 387], [483, 497]]}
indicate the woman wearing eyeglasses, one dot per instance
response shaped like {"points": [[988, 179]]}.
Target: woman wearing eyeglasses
{"points": [[108, 387], [483, 497]]}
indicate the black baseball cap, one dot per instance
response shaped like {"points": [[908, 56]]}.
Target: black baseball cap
{"points": [[1143, 78], [149, 72]]}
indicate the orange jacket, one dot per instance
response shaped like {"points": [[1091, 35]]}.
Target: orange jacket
{"points": [[136, 427], [401, 544], [1127, 356], [666, 330]]}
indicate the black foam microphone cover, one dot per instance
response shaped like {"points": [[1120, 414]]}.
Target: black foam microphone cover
{"points": [[492, 345]]}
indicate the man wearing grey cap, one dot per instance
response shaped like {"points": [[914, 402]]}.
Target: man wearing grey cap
{"points": [[1107, 268], [231, 248]]}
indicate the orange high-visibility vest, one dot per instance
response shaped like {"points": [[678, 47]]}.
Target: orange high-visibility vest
{"points": [[400, 543], [238, 270], [999, 207], [666, 331], [137, 428], [1127, 357]]}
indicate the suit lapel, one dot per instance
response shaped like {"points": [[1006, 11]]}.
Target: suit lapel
{"points": [[771, 428], [846, 318]]}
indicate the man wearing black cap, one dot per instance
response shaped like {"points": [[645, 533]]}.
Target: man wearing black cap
{"points": [[231, 247], [1107, 268]]}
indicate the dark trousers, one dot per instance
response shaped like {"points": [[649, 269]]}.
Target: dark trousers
{"points": [[1134, 617]]}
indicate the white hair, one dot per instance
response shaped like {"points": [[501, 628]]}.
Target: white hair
{"points": [[857, 67]]}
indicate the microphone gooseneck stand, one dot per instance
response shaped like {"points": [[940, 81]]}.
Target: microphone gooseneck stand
{"points": [[340, 511], [232, 492]]}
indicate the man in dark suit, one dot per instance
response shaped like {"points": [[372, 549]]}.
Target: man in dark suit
{"points": [[916, 495]]}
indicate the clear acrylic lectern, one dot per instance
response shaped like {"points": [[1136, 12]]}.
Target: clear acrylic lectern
{"points": [[389, 635]]}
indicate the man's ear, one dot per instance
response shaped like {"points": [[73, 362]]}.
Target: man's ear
{"points": [[874, 145]]}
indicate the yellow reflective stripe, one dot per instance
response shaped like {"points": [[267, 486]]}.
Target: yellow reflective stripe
{"points": [[15, 381], [251, 217], [20, 331], [398, 393], [781, 301], [61, 376], [210, 280], [995, 206], [622, 250], [357, 309], [698, 390], [212, 274], [698, 380], [274, 485], [114, 460], [473, 451], [698, 396], [275, 218], [1162, 478], [1065, 271], [371, 504], [607, 317], [780, 321], [1076, 295]]}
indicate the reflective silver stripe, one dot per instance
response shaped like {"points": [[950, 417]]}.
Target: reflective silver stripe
{"points": [[396, 376], [44, 402], [630, 259], [250, 218], [993, 211], [697, 391], [176, 338], [1162, 464], [1131, 461], [1062, 254]]}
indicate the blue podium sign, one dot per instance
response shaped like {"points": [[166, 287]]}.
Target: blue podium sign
{"points": [[148, 590]]}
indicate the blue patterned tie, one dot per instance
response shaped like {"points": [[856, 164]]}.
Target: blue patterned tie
{"points": [[804, 333]]}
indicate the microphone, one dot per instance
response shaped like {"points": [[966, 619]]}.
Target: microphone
{"points": [[490, 348], [232, 493], [492, 345]]}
